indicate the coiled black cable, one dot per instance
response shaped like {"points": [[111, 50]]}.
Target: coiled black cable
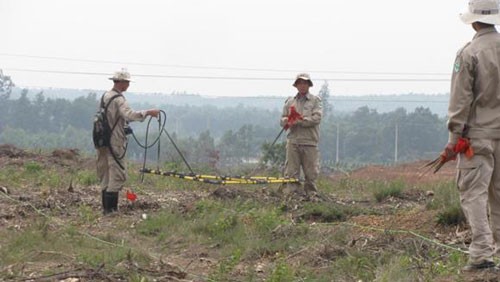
{"points": [[162, 120]]}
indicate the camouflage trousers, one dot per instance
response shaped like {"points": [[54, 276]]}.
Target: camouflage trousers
{"points": [[111, 176]]}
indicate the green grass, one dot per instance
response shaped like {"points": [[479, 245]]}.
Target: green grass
{"points": [[451, 216], [446, 201], [323, 212], [282, 271], [32, 167], [358, 265], [34, 174], [293, 244], [39, 242], [226, 265], [384, 190], [88, 215], [160, 224], [86, 178], [353, 189]]}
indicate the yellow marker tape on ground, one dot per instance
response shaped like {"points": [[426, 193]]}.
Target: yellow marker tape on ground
{"points": [[215, 179]]}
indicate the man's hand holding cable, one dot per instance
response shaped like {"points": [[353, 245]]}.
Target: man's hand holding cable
{"points": [[152, 112]]}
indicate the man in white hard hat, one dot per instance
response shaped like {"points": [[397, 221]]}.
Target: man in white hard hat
{"points": [[474, 131], [111, 167], [302, 116]]}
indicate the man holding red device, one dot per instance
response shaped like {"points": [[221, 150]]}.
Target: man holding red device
{"points": [[301, 117]]}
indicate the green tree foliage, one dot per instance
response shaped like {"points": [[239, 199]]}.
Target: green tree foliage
{"points": [[274, 155], [362, 139], [6, 85], [83, 107], [24, 112], [426, 124], [324, 94], [204, 148], [229, 149], [366, 136], [226, 136], [245, 140], [70, 137]]}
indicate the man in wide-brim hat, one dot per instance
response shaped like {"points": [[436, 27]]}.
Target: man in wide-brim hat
{"points": [[473, 119], [302, 116], [111, 166]]}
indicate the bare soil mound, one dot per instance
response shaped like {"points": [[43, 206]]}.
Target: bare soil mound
{"points": [[11, 151]]}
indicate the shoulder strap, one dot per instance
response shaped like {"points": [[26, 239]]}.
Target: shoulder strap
{"points": [[105, 107], [102, 100]]}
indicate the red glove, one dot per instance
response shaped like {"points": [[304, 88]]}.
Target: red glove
{"points": [[463, 146], [293, 117], [450, 153]]}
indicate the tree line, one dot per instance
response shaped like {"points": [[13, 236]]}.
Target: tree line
{"points": [[224, 137]]}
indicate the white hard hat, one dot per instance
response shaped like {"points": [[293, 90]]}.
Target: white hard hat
{"points": [[485, 11], [122, 75]]}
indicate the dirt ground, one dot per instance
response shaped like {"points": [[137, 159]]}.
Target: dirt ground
{"points": [[409, 173], [18, 207]]}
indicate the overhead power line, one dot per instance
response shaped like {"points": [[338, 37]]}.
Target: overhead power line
{"points": [[387, 101], [237, 77], [336, 99], [221, 67]]}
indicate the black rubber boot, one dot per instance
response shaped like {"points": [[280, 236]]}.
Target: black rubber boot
{"points": [[111, 202], [104, 203]]}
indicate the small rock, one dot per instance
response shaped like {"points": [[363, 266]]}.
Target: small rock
{"points": [[4, 190], [70, 280], [259, 268]]}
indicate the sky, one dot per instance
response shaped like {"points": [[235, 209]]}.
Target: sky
{"points": [[234, 47]]}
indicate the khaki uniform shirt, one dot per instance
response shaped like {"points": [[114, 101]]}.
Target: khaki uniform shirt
{"points": [[475, 88], [119, 112], [306, 131]]}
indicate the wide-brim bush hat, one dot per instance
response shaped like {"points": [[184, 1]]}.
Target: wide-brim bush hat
{"points": [[303, 76], [122, 75], [484, 11]]}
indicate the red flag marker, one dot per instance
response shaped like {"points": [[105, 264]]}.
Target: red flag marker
{"points": [[131, 196]]}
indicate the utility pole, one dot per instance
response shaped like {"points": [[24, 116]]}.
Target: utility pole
{"points": [[208, 123], [396, 144], [337, 146]]}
